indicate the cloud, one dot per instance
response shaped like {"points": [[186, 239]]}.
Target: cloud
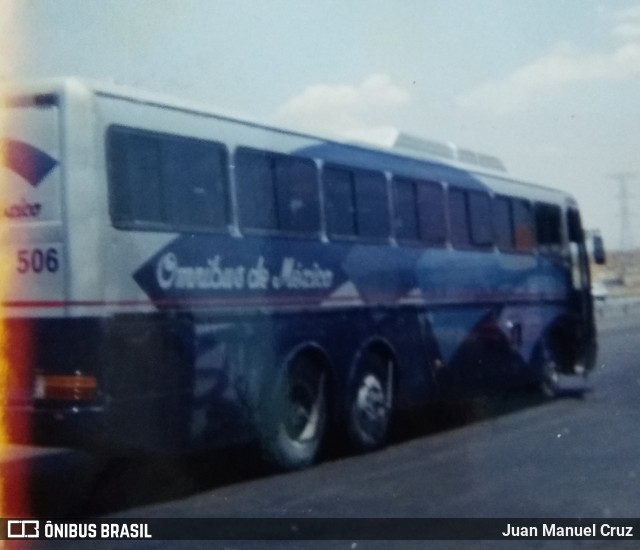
{"points": [[345, 110], [562, 66], [628, 24]]}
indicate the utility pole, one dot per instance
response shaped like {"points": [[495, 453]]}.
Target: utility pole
{"points": [[627, 240]]}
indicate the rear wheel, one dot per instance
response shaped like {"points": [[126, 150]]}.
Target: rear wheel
{"points": [[371, 403], [296, 416]]}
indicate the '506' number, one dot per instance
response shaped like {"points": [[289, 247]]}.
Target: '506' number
{"points": [[38, 260]]}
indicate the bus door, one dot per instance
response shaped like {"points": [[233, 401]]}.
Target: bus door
{"points": [[580, 303]]}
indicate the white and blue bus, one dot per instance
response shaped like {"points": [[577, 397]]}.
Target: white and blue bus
{"points": [[181, 279]]}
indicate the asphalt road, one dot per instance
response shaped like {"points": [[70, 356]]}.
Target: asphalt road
{"points": [[522, 456]]}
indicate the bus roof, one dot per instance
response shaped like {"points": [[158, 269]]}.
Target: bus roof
{"points": [[397, 160]]}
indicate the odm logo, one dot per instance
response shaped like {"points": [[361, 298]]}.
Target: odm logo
{"points": [[26, 160]]}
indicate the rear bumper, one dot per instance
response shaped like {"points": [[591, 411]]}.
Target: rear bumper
{"points": [[81, 427]]}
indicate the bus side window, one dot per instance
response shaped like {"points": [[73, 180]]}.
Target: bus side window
{"points": [[134, 177], [480, 219], [431, 213], [340, 201], [163, 179], [503, 224], [194, 183], [406, 212], [255, 184], [297, 195], [277, 192], [356, 203], [523, 225], [548, 227], [419, 214], [372, 205], [470, 219], [458, 221]]}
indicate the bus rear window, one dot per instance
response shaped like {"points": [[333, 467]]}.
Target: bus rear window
{"points": [[161, 179]]}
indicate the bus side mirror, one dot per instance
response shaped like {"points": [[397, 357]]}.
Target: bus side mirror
{"points": [[599, 255]]}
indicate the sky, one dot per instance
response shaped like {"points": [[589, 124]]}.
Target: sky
{"points": [[551, 87]]}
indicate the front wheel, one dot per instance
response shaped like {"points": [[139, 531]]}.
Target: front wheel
{"points": [[550, 377], [296, 417], [550, 373], [370, 404]]}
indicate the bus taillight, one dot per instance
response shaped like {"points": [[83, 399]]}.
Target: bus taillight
{"points": [[75, 387]]}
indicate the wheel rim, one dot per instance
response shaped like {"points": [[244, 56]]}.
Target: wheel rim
{"points": [[551, 378], [303, 412], [371, 407]]}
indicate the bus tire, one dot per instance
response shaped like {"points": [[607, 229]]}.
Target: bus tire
{"points": [[370, 403], [548, 372], [296, 418]]}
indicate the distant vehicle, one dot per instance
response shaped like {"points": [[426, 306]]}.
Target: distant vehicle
{"points": [[185, 279], [599, 291]]}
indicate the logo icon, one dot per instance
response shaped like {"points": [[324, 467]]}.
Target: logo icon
{"points": [[23, 529], [26, 160]]}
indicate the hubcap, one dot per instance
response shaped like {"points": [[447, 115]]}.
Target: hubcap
{"points": [[303, 412], [371, 404]]}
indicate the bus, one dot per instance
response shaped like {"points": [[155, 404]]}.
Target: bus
{"points": [[178, 279]]}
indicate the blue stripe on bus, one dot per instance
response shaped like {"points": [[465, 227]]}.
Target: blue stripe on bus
{"points": [[194, 268]]}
